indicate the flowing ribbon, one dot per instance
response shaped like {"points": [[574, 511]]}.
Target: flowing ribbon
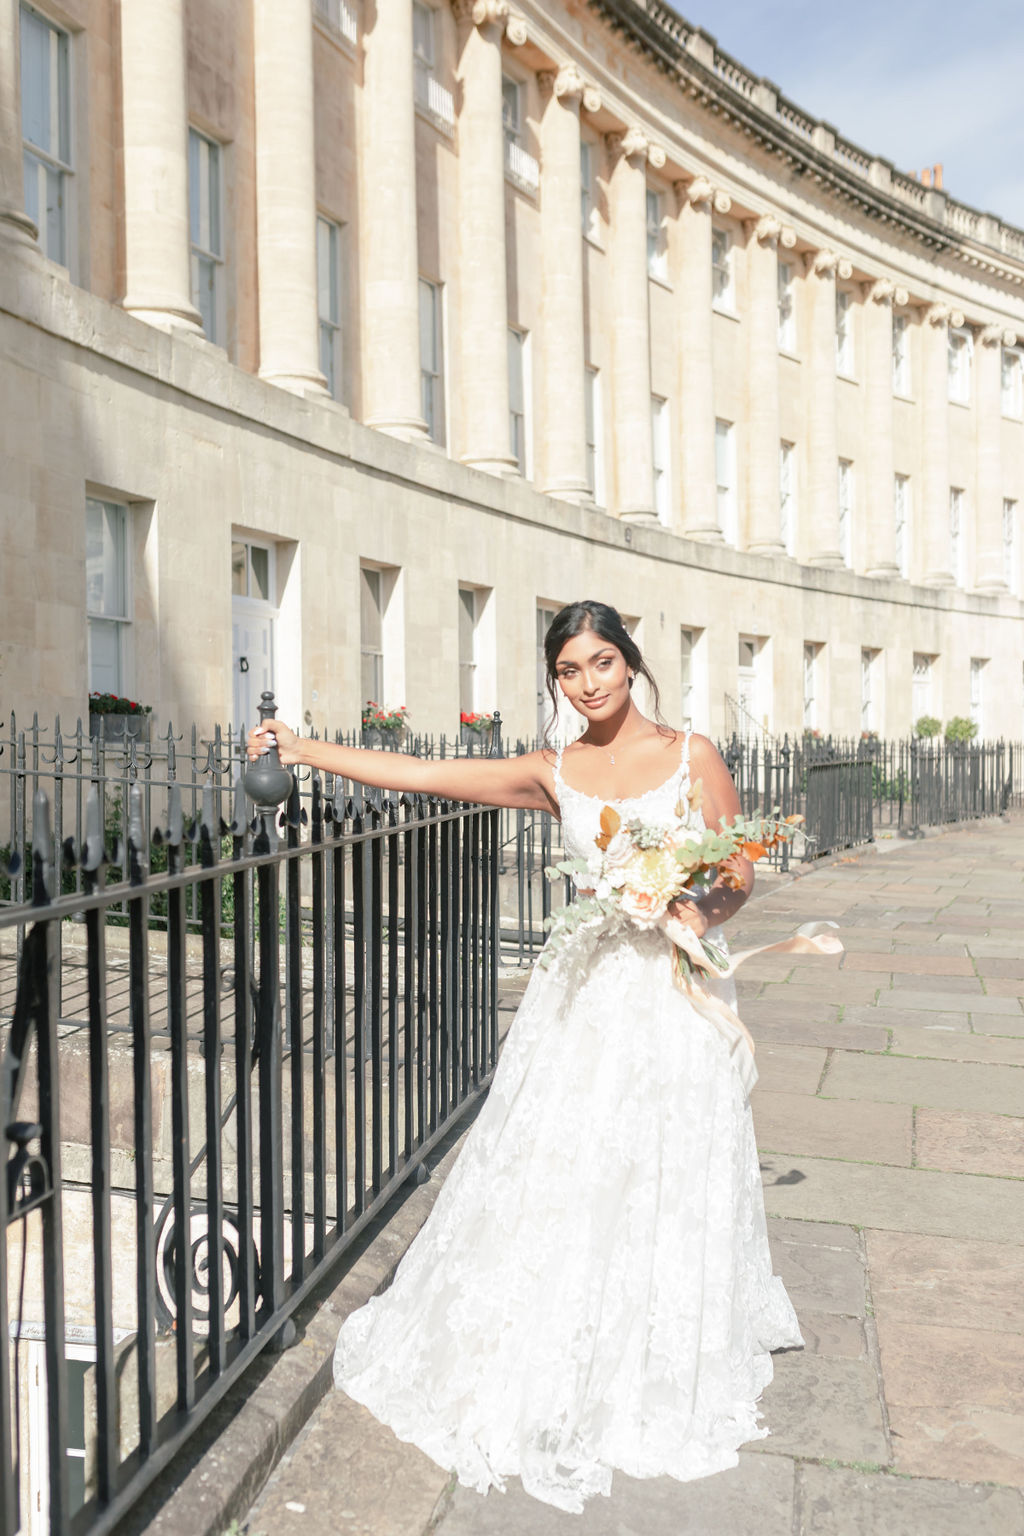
{"points": [[809, 939]]}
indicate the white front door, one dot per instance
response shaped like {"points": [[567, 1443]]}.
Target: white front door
{"points": [[252, 632]]}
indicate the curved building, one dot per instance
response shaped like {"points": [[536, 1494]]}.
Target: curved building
{"points": [[342, 342]]}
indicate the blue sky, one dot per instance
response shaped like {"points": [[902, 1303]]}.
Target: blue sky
{"points": [[916, 81]]}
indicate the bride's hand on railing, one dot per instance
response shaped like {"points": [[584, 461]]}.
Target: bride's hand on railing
{"points": [[270, 732]]}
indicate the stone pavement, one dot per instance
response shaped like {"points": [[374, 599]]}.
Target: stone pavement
{"points": [[889, 1116]]}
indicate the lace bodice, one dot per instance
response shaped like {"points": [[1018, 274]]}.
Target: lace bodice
{"points": [[581, 813]]}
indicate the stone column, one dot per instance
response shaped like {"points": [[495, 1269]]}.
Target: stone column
{"points": [[632, 443], [16, 228], [694, 349], [563, 433], [990, 571], [764, 534], [390, 347], [286, 195], [822, 435], [483, 281], [154, 110], [880, 467], [935, 545]]}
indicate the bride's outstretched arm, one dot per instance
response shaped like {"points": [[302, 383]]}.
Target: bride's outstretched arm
{"points": [[720, 800], [521, 783]]}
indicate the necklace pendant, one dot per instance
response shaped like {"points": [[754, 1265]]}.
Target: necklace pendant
{"points": [[612, 756]]}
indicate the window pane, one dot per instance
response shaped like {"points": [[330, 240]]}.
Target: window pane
{"points": [[423, 33], [239, 587], [36, 92], [510, 106], [371, 629], [428, 356], [467, 624], [105, 559], [104, 656], [371, 674], [260, 573]]}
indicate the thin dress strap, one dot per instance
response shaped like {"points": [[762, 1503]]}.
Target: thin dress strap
{"points": [[684, 762]]}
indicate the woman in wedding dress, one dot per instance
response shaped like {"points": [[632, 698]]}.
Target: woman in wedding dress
{"points": [[593, 1288]]}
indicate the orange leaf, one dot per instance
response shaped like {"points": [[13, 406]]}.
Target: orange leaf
{"points": [[611, 821], [754, 851], [732, 878], [794, 821]]}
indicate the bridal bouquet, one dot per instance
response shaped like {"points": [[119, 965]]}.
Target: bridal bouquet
{"points": [[639, 868]]}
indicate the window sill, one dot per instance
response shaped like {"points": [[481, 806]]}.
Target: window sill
{"points": [[791, 356], [1013, 416], [335, 37], [907, 399], [662, 282], [726, 314], [964, 405], [434, 120], [593, 240], [847, 378]]}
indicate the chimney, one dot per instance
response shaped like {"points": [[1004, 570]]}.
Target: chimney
{"points": [[938, 176], [926, 177]]}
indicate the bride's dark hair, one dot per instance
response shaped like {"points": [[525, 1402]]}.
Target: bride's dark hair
{"points": [[606, 622]]}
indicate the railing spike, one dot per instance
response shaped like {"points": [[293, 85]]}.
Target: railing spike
{"points": [[42, 850]]}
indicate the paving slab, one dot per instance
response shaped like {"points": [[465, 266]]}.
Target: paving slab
{"points": [[913, 1080], [822, 1234], [955, 1045], [839, 1501], [969, 1143], [921, 1279], [821, 1279], [860, 1017], [954, 986], [1003, 1024], [657, 1506], [819, 1405], [896, 1199], [1004, 986], [831, 1333], [796, 1122], [963, 1443], [936, 1002], [789, 1068], [348, 1476], [953, 966]]}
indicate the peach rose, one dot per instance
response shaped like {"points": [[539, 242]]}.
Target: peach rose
{"points": [[645, 908]]}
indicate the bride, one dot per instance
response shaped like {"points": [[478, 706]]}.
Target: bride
{"points": [[593, 1288]]}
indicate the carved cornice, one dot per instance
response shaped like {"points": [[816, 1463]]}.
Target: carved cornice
{"points": [[591, 99], [806, 149], [880, 290], [516, 30], [826, 264], [721, 202], [767, 230]]}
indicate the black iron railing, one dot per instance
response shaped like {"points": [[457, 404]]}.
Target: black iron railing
{"points": [[304, 1068]]}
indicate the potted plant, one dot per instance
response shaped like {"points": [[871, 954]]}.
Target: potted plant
{"points": [[475, 729], [927, 727], [960, 730], [383, 727], [113, 717]]}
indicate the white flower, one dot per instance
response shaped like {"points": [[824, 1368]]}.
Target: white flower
{"points": [[619, 851], [645, 908]]}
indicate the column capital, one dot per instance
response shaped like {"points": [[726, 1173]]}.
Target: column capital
{"points": [[633, 144], [997, 336], [565, 83], [827, 264], [943, 314], [880, 291], [766, 230], [479, 13], [697, 190]]}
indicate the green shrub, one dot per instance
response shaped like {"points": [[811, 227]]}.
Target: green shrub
{"points": [[927, 726], [960, 729]]}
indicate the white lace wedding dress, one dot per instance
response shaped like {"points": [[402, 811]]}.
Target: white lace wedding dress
{"points": [[593, 1288]]}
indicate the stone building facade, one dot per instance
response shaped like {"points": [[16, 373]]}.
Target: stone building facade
{"points": [[342, 342]]}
